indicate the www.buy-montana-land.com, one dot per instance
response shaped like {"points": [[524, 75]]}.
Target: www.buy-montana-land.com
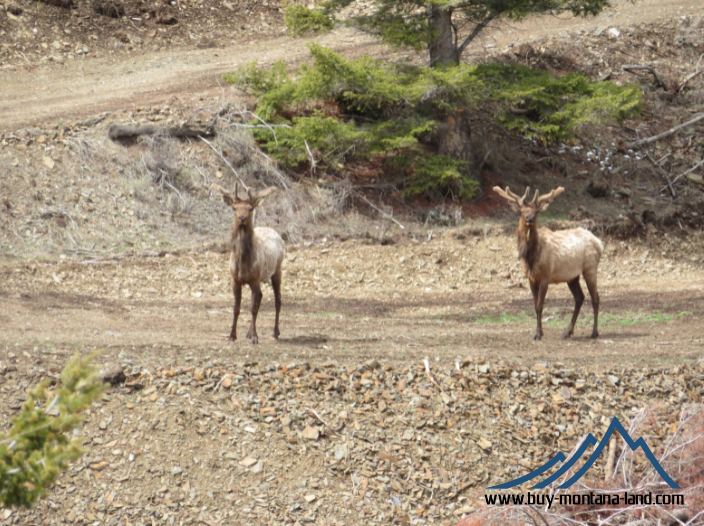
{"points": [[594, 499]]}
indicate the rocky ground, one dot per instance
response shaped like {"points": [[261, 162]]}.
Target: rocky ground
{"points": [[405, 380], [340, 421]]}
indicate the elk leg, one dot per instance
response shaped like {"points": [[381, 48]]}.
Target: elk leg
{"points": [[539, 292], [276, 285], [237, 289], [594, 294], [256, 301], [576, 291]]}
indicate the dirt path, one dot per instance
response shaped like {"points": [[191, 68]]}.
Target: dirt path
{"points": [[89, 86], [390, 303]]}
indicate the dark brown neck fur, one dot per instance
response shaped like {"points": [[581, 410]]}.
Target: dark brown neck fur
{"points": [[242, 245], [528, 249]]}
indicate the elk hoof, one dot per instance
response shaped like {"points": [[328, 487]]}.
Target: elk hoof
{"points": [[249, 333], [537, 336], [566, 335], [276, 334], [232, 337], [255, 340], [595, 334]]}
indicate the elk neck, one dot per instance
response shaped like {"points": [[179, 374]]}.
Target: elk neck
{"points": [[528, 243], [242, 245]]}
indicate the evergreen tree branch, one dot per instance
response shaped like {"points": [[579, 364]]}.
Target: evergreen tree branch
{"points": [[37, 447], [475, 32]]}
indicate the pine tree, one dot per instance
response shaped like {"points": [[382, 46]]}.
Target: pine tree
{"points": [[446, 27]]}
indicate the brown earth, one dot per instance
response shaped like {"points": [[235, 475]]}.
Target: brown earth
{"points": [[445, 299], [338, 422], [122, 67]]}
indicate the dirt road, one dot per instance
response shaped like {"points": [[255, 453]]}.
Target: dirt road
{"points": [[89, 86], [445, 300]]}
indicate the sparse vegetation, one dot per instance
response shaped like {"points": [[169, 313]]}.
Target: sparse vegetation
{"points": [[301, 20]]}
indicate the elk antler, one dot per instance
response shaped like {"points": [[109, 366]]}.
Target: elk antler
{"points": [[219, 189], [510, 196], [538, 200]]}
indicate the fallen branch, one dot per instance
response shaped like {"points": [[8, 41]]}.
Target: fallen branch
{"points": [[128, 131], [377, 208], [634, 67], [688, 171], [693, 75], [206, 141], [663, 172], [666, 134]]}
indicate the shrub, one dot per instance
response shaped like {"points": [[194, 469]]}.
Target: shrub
{"points": [[370, 108], [37, 447], [300, 20], [539, 106]]}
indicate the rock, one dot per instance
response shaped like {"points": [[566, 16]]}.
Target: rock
{"points": [[484, 443], [340, 451], [310, 433], [112, 374], [247, 462]]}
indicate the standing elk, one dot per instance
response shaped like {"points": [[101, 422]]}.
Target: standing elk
{"points": [[256, 256], [555, 257]]}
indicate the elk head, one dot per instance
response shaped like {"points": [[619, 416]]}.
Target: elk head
{"points": [[529, 210], [243, 207]]}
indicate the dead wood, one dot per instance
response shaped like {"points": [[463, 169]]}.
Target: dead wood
{"points": [[128, 131], [65, 4], [634, 67], [666, 134]]}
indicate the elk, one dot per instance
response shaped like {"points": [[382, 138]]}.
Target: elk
{"points": [[555, 257], [256, 256]]}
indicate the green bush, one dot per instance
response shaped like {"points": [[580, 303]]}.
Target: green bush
{"points": [[300, 20], [370, 108], [37, 447], [537, 105]]}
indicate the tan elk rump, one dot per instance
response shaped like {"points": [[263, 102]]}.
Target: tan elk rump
{"points": [[555, 257]]}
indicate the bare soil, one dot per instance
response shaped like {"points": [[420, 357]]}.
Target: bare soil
{"points": [[340, 421], [445, 299], [136, 65]]}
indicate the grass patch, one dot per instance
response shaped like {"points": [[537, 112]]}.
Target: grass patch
{"points": [[324, 314], [503, 317], [624, 319]]}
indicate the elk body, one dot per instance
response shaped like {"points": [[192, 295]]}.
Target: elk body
{"points": [[256, 257], [555, 257]]}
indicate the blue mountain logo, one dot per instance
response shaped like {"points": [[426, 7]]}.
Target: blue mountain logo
{"points": [[589, 441]]}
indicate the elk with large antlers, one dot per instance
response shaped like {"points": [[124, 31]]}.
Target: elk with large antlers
{"points": [[256, 256], [555, 257]]}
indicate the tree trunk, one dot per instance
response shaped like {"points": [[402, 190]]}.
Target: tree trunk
{"points": [[442, 50], [455, 141]]}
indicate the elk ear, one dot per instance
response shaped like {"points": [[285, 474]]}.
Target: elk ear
{"points": [[261, 195], [226, 196]]}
